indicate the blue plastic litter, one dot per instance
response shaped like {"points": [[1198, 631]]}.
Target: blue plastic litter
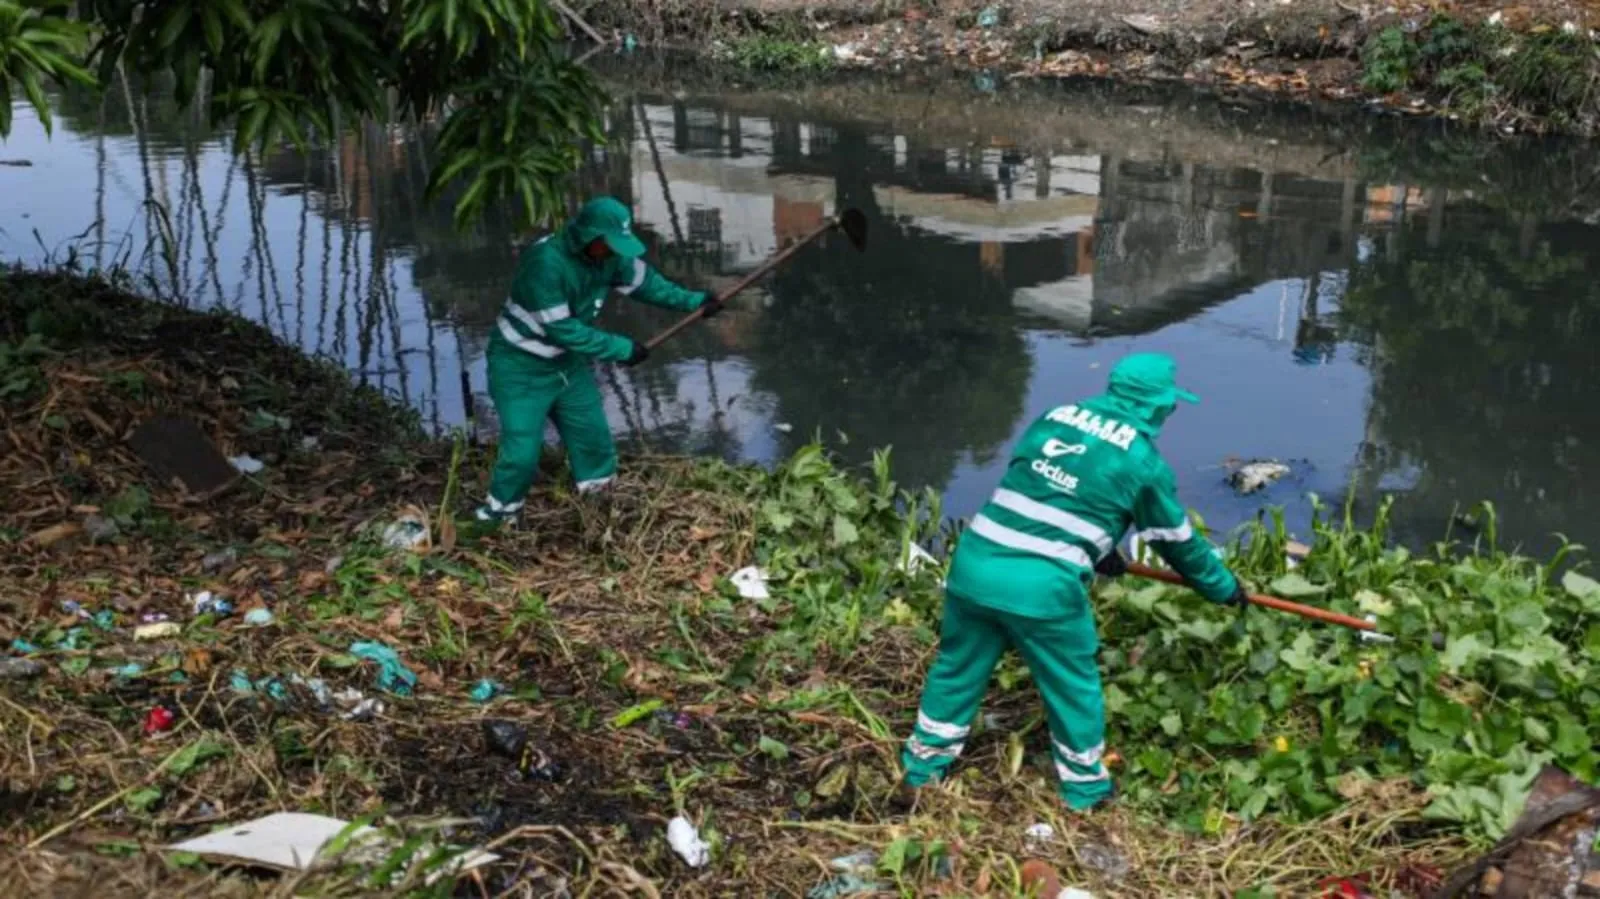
{"points": [[105, 619], [23, 646], [393, 675], [240, 682], [132, 669], [843, 885], [990, 17], [485, 690]]}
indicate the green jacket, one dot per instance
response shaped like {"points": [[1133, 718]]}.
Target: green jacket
{"points": [[1079, 478], [557, 292]]}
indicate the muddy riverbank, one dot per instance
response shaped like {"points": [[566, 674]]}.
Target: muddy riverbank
{"points": [[1532, 67]]}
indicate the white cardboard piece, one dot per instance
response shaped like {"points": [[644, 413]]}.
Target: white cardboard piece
{"points": [[290, 841]]}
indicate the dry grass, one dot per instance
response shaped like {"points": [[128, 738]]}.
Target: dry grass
{"points": [[776, 736]]}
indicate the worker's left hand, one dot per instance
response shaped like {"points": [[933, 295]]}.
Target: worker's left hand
{"points": [[710, 306], [1113, 565]]}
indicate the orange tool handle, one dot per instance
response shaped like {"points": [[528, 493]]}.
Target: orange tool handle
{"points": [[1271, 602]]}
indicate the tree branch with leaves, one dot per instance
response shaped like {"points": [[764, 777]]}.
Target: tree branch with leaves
{"points": [[516, 110]]}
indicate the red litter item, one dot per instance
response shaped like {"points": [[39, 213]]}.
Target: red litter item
{"points": [[1345, 887], [160, 718]]}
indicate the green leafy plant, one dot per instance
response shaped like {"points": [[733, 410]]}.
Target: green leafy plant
{"points": [[1388, 60], [1271, 716], [514, 107], [38, 45], [783, 54]]}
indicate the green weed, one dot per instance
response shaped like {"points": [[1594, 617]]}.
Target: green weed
{"points": [[1487, 73], [778, 54]]}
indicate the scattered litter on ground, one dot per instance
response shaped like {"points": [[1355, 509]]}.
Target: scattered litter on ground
{"points": [[393, 675], [1039, 878], [504, 738], [159, 720], [751, 583], [685, 840], [408, 531], [294, 841], [207, 603], [214, 562], [915, 557], [840, 885], [1038, 836], [157, 631], [1105, 860], [258, 617], [485, 690], [100, 529], [17, 669], [247, 464], [357, 706]]}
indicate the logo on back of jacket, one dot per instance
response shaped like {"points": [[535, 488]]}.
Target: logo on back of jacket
{"points": [[1091, 425]]}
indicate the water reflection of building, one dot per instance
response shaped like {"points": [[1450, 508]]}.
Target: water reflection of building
{"points": [[1079, 240]]}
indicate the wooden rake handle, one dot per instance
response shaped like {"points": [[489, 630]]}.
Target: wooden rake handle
{"points": [[1271, 602], [851, 221]]}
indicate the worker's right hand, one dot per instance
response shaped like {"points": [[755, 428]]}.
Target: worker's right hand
{"points": [[1238, 599], [1113, 565], [639, 354]]}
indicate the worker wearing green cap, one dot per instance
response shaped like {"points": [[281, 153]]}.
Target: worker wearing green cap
{"points": [[545, 340], [1081, 476]]}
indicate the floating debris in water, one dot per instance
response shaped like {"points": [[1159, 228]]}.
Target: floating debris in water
{"points": [[1256, 474]]}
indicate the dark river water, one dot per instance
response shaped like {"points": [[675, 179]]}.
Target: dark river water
{"points": [[1389, 308]]}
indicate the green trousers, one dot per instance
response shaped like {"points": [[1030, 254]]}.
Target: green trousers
{"points": [[1059, 652], [526, 392]]}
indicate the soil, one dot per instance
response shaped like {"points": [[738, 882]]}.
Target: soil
{"points": [[1303, 49]]}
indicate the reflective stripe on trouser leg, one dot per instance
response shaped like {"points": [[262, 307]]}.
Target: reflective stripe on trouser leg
{"points": [[580, 416], [522, 395], [970, 643], [1060, 654]]}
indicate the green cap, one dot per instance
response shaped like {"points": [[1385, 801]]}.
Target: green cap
{"points": [[1149, 377], [609, 220]]}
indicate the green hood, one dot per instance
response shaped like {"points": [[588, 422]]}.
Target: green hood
{"points": [[1142, 390]]}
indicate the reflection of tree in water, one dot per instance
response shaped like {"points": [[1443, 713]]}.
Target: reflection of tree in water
{"points": [[1484, 366], [911, 343]]}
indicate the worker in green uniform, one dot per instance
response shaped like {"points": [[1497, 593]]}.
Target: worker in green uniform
{"points": [[541, 352], [1081, 476]]}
